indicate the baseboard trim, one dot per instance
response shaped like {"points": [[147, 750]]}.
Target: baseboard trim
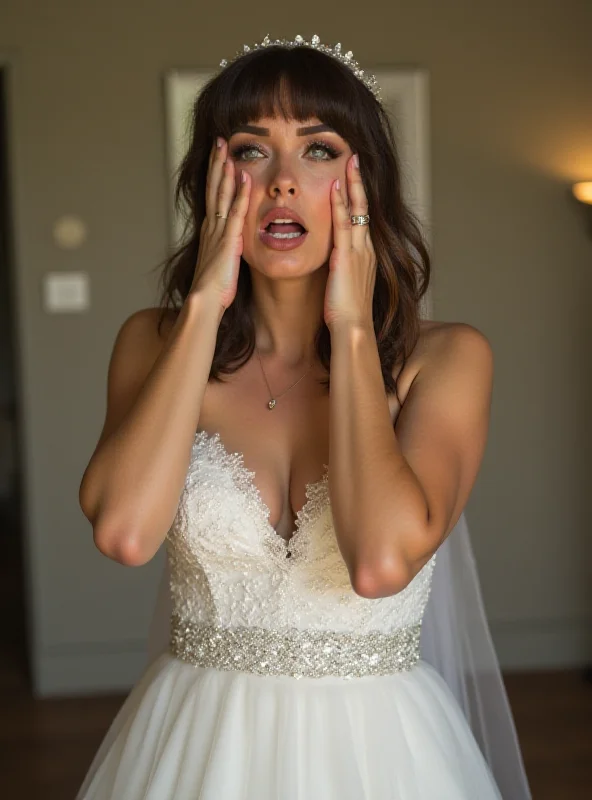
{"points": [[78, 670], [542, 644]]}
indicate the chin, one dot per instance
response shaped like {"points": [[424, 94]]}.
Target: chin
{"points": [[281, 264], [286, 265]]}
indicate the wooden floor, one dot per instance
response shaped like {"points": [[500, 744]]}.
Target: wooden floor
{"points": [[553, 715], [47, 745]]}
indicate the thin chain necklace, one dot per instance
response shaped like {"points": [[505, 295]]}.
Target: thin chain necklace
{"points": [[273, 400]]}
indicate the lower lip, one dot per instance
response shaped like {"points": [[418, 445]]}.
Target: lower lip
{"points": [[282, 244]]}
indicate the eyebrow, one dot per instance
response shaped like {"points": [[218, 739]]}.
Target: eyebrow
{"points": [[257, 131]]}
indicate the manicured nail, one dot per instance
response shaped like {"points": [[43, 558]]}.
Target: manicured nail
{"points": [[337, 183], [356, 161], [219, 142], [243, 176]]}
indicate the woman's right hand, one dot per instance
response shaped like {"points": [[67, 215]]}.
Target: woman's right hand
{"points": [[221, 240]]}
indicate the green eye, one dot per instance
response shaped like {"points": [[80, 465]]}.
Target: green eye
{"points": [[321, 149], [240, 152]]}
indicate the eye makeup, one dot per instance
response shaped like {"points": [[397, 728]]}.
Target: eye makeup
{"points": [[238, 151]]}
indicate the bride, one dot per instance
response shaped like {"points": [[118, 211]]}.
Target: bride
{"points": [[304, 444]]}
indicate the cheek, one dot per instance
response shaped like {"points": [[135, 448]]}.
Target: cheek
{"points": [[318, 194]]}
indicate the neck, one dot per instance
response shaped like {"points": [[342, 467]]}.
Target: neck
{"points": [[287, 316]]}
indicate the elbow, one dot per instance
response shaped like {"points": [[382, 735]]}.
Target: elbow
{"points": [[87, 501], [379, 578], [125, 548]]}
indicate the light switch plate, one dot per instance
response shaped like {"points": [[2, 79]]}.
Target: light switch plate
{"points": [[66, 292]]}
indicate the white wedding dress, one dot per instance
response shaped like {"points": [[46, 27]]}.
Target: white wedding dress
{"points": [[278, 681]]}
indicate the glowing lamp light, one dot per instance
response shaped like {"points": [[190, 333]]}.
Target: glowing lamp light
{"points": [[583, 191]]}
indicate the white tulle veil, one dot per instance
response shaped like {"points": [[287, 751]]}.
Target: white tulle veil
{"points": [[456, 641]]}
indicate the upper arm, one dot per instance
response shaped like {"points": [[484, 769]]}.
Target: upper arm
{"points": [[135, 350], [443, 423]]}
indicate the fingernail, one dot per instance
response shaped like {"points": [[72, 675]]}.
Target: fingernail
{"points": [[219, 142], [337, 183], [356, 161], [243, 176]]}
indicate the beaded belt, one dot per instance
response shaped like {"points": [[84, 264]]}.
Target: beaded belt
{"points": [[299, 653]]}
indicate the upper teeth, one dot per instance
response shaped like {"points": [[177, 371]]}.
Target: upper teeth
{"points": [[282, 220]]}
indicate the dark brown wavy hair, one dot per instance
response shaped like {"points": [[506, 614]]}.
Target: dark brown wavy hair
{"points": [[299, 83]]}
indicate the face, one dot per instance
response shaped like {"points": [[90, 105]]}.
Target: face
{"points": [[293, 165]]}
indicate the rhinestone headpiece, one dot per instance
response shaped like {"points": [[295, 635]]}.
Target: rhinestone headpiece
{"points": [[346, 58]]}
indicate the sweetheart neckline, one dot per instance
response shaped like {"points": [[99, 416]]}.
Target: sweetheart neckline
{"points": [[315, 492]]}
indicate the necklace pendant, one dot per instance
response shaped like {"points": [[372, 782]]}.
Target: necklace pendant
{"points": [[271, 405]]}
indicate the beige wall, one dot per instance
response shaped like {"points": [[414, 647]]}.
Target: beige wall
{"points": [[511, 128]]}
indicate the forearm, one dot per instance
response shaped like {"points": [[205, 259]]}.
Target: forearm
{"points": [[133, 482], [377, 502]]}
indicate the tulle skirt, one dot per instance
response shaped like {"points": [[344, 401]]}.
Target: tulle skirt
{"points": [[187, 732]]}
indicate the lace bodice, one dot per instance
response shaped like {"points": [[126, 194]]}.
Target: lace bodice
{"points": [[230, 568]]}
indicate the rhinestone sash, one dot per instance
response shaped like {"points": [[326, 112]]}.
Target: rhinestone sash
{"points": [[299, 653]]}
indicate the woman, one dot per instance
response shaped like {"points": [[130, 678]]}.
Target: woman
{"points": [[301, 544]]}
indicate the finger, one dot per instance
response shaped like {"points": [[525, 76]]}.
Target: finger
{"points": [[238, 209], [214, 176], [358, 203], [202, 237], [213, 149], [226, 193], [342, 227]]}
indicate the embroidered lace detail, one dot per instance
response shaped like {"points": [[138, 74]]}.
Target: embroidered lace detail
{"points": [[316, 493], [229, 568]]}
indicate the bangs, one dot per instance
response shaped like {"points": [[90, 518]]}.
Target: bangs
{"points": [[295, 84]]}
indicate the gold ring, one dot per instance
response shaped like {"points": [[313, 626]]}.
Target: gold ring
{"points": [[360, 219], [218, 214]]}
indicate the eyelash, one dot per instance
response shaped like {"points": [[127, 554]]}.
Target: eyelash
{"points": [[332, 151]]}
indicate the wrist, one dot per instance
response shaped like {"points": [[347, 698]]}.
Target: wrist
{"points": [[352, 329], [205, 303]]}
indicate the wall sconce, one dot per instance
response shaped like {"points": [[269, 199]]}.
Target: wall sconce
{"points": [[582, 191]]}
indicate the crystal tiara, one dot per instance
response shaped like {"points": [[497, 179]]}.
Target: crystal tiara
{"points": [[367, 78]]}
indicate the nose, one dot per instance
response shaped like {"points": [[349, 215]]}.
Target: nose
{"points": [[278, 192], [283, 182]]}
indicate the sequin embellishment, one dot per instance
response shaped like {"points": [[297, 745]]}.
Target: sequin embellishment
{"points": [[299, 653]]}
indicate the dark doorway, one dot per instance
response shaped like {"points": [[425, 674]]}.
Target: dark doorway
{"points": [[14, 657]]}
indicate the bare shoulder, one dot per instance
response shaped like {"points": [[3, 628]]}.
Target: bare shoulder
{"points": [[439, 347], [450, 341], [140, 341], [441, 343], [454, 353], [147, 328]]}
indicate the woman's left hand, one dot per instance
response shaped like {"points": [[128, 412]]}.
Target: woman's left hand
{"points": [[352, 264]]}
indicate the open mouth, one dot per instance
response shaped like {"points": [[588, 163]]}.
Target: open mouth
{"points": [[285, 230]]}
